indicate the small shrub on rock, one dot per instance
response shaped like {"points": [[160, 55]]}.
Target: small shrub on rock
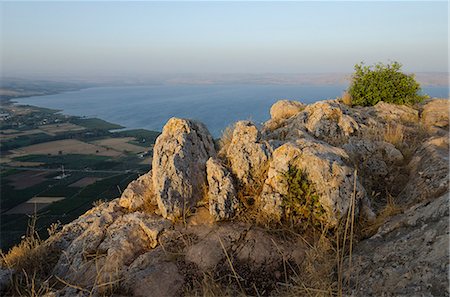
{"points": [[372, 84], [301, 204]]}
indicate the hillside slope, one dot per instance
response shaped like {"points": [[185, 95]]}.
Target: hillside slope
{"points": [[323, 199]]}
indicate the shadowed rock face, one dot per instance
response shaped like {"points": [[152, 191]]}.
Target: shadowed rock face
{"points": [[179, 165]]}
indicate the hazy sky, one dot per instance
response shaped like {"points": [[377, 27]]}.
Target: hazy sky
{"points": [[138, 38]]}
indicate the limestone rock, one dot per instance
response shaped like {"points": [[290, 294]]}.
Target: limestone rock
{"points": [[407, 257], [151, 274], [325, 169], [138, 192], [327, 120], [179, 165], [434, 113], [374, 159], [102, 254], [221, 191], [389, 112], [428, 171], [285, 109], [247, 152]]}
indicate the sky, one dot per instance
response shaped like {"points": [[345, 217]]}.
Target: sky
{"points": [[143, 38]]}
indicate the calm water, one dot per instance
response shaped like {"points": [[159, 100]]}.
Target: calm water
{"points": [[217, 106]]}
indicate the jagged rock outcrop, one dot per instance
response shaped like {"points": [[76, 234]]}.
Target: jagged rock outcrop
{"points": [[247, 153], [138, 192], [102, 253], [327, 120], [134, 246], [326, 170], [179, 163], [407, 257], [223, 202]]}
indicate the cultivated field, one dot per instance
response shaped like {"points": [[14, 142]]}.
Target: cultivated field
{"points": [[33, 205], [120, 144], [66, 146], [54, 129], [85, 181], [12, 135], [26, 179]]}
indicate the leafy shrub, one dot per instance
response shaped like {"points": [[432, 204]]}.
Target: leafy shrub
{"points": [[301, 203], [383, 83]]}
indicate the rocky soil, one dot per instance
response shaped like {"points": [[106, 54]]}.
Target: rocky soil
{"points": [[265, 214]]}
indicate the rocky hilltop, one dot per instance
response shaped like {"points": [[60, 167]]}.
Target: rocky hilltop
{"points": [[322, 199]]}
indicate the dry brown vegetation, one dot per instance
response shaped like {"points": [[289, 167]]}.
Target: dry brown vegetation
{"points": [[225, 140], [347, 99]]}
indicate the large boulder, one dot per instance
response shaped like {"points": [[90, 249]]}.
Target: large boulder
{"points": [[407, 257], [179, 165], [248, 153], [326, 170], [285, 109], [223, 202]]}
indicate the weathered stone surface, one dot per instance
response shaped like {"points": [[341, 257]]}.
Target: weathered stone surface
{"points": [[428, 171], [285, 109], [389, 112], [407, 257], [324, 167], [434, 113], [151, 274], [247, 152], [223, 202], [101, 254], [138, 192], [375, 161], [327, 120], [179, 165]]}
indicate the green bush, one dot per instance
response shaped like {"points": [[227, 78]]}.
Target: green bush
{"points": [[372, 84], [301, 204]]}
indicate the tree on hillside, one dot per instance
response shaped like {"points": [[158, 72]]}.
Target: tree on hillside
{"points": [[372, 84]]}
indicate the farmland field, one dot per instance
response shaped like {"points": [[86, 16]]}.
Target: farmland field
{"points": [[66, 146], [120, 144]]}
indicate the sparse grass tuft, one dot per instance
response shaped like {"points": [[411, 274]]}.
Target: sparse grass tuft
{"points": [[225, 141], [394, 133], [347, 99]]}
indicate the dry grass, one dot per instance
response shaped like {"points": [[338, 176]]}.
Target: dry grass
{"points": [[347, 99], [31, 261], [390, 209], [395, 134], [225, 140]]}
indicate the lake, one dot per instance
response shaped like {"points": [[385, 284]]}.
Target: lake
{"points": [[217, 106]]}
